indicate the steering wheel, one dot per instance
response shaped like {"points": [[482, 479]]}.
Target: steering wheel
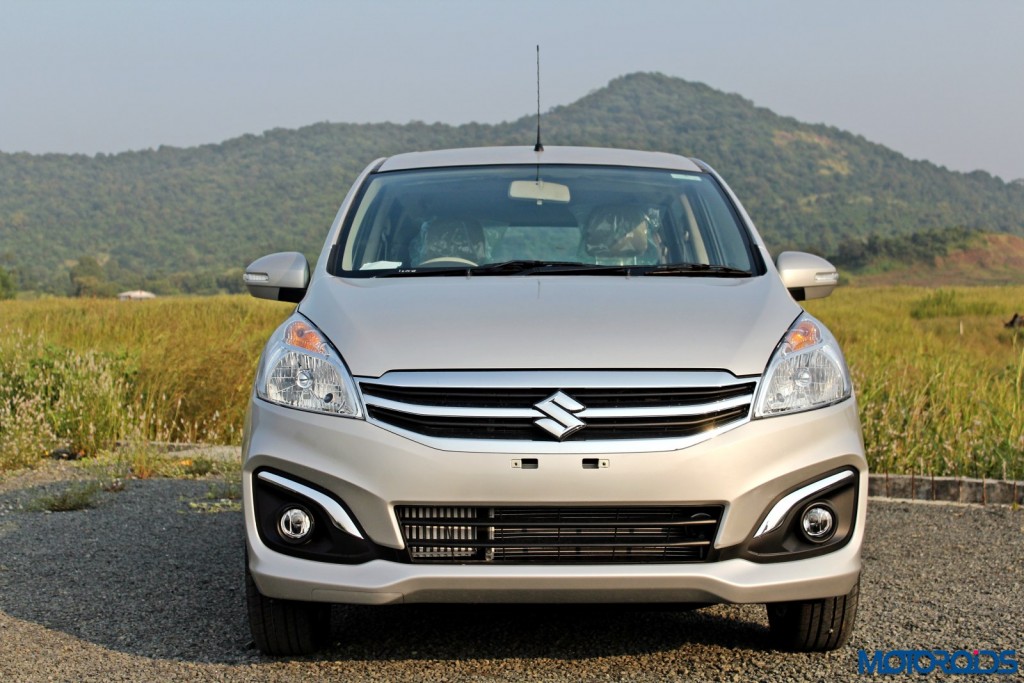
{"points": [[448, 259]]}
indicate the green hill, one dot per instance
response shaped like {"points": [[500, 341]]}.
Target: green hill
{"points": [[931, 259], [175, 219]]}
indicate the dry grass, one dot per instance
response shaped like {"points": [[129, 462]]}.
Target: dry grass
{"points": [[86, 375], [940, 381]]}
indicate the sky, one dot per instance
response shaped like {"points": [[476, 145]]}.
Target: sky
{"points": [[941, 80]]}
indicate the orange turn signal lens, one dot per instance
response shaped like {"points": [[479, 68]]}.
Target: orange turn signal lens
{"points": [[803, 335], [303, 335]]}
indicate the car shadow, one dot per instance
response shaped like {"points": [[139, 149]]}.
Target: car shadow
{"points": [[156, 571], [563, 632]]}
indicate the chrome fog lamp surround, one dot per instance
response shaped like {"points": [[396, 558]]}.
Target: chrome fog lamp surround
{"points": [[295, 524], [818, 522], [780, 510], [334, 511]]}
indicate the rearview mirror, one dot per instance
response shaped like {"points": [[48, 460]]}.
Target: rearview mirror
{"points": [[539, 191], [806, 276], [283, 276]]}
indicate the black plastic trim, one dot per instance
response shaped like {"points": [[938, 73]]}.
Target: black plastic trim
{"points": [[788, 543], [327, 543]]}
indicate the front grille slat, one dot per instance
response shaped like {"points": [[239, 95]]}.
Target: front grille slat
{"points": [[569, 535], [529, 542], [500, 413], [595, 398], [557, 525], [525, 429]]}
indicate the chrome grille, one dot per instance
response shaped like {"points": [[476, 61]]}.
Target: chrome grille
{"points": [[558, 535], [512, 407]]}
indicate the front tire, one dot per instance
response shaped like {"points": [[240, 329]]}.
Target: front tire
{"points": [[286, 627], [814, 625]]}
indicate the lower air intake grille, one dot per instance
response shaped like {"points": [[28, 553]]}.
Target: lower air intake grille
{"points": [[558, 535]]}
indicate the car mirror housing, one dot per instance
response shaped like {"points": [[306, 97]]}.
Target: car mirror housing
{"points": [[283, 276], [806, 276]]}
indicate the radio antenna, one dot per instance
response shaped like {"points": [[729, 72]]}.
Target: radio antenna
{"points": [[538, 147]]}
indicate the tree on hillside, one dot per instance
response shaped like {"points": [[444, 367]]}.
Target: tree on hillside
{"points": [[7, 288], [919, 247], [88, 279]]}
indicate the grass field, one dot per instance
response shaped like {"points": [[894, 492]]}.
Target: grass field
{"points": [[940, 381], [84, 374]]}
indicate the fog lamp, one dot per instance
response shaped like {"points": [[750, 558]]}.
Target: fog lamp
{"points": [[818, 523], [295, 524]]}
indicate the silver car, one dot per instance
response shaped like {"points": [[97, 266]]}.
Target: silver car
{"points": [[568, 375]]}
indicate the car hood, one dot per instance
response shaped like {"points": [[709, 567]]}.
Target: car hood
{"points": [[552, 322]]}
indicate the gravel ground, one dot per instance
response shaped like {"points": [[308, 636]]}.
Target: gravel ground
{"points": [[148, 586]]}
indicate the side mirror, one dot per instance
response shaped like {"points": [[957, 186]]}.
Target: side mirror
{"points": [[806, 276], [283, 276]]}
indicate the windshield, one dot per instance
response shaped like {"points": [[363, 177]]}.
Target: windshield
{"points": [[529, 219]]}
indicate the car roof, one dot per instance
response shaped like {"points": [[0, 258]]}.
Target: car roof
{"points": [[488, 156]]}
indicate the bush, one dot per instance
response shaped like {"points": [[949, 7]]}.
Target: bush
{"points": [[7, 288], [87, 374], [946, 303], [77, 496], [54, 397]]}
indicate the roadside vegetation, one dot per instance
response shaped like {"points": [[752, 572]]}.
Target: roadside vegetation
{"points": [[939, 379], [111, 384], [87, 482]]}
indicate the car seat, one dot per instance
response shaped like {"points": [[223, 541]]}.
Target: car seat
{"points": [[618, 235], [450, 239]]}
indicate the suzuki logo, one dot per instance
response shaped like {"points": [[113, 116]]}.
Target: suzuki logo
{"points": [[560, 421]]}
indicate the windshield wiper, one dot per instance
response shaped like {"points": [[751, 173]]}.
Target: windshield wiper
{"points": [[526, 267], [697, 269], [519, 267]]}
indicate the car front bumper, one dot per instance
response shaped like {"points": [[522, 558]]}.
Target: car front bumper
{"points": [[371, 470]]}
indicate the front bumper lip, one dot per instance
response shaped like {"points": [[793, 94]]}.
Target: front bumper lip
{"points": [[382, 582]]}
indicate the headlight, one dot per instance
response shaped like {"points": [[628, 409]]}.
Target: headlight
{"points": [[300, 369], [807, 371]]}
